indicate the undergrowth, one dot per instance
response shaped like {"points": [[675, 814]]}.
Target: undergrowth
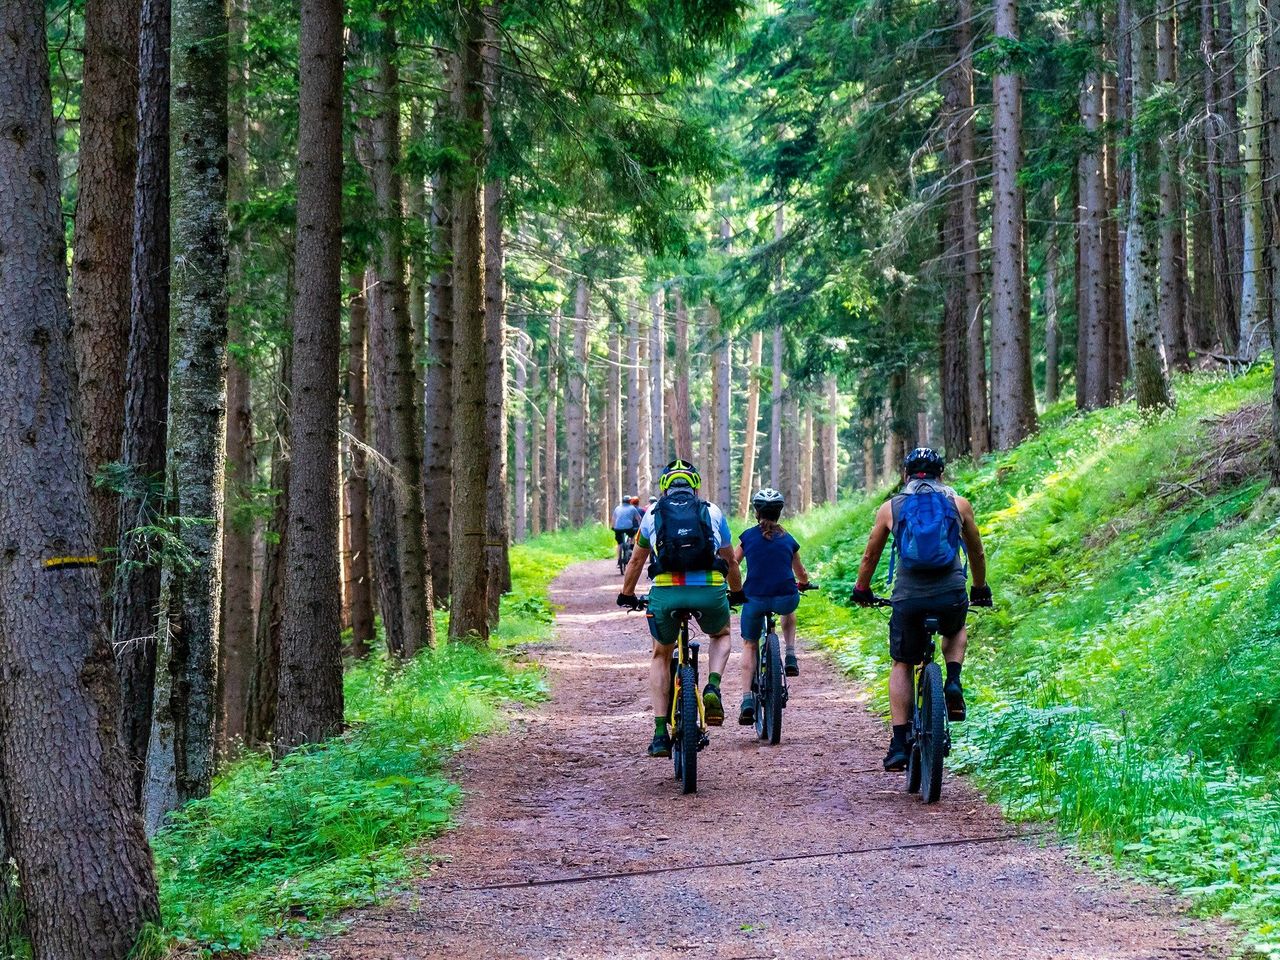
{"points": [[1125, 684], [281, 849]]}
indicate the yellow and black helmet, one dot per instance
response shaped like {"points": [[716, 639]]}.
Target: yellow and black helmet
{"points": [[680, 473]]}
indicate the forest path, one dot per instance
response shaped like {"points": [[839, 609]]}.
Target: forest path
{"points": [[567, 791]]}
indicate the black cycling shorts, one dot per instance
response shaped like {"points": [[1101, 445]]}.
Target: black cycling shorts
{"points": [[620, 535], [907, 635]]}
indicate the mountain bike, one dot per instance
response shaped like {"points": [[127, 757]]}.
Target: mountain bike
{"points": [[930, 736], [624, 552], [687, 722], [769, 680]]}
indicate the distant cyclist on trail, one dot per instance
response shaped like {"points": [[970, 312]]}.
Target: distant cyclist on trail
{"points": [[928, 521], [775, 577], [691, 546], [626, 521]]}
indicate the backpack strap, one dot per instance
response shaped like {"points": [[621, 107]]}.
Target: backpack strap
{"points": [[893, 546]]}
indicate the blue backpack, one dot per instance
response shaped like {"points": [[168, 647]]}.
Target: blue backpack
{"points": [[926, 532]]}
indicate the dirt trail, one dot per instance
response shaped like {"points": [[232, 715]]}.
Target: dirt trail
{"points": [[567, 791]]}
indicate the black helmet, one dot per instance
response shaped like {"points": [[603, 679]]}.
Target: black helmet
{"points": [[768, 504], [923, 462], [680, 473]]}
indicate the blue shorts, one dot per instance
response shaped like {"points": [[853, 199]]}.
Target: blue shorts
{"points": [[753, 613]]}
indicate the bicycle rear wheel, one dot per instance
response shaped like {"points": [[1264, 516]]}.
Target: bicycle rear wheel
{"points": [[913, 761], [690, 730], [933, 734], [772, 683]]}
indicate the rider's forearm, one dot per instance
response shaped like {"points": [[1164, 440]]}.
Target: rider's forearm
{"points": [[734, 575], [867, 568], [634, 568], [978, 565]]}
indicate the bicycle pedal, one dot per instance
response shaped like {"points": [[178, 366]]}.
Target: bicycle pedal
{"points": [[704, 741], [786, 695]]}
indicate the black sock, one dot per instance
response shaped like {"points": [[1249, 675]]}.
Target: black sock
{"points": [[953, 672], [900, 731]]}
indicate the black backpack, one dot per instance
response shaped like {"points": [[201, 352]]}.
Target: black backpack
{"points": [[682, 537]]}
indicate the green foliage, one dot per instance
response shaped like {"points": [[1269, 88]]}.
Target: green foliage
{"points": [[280, 849], [1124, 684]]}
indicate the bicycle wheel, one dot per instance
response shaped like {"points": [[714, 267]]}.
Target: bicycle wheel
{"points": [[913, 751], [773, 685], [690, 730], [933, 734], [677, 754], [758, 685]]}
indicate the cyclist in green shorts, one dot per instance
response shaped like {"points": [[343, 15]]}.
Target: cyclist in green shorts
{"points": [[692, 555]]}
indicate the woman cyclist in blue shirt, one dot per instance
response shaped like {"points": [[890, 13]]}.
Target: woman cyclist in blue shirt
{"points": [[775, 576]]}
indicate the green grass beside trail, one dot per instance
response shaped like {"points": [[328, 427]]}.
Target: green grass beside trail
{"points": [[281, 850], [1127, 685]]}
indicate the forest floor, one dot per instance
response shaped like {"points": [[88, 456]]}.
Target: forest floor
{"points": [[861, 868]]}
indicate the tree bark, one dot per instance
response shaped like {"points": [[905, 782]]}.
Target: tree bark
{"points": [[536, 510], [137, 586], [1013, 411], [69, 819], [310, 701], [1050, 292], [265, 680], [1222, 162], [790, 471], [753, 419], [953, 374], [682, 423], [776, 355], [398, 388], [644, 418], [1141, 273], [438, 405], [384, 532], [1254, 335], [356, 488], [657, 433], [632, 439], [831, 441], [180, 762], [806, 461], [868, 454], [722, 392], [551, 477], [1173, 244], [520, 434], [1093, 301], [468, 574], [101, 261], [576, 409]]}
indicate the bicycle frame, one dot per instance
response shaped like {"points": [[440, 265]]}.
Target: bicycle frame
{"points": [[684, 654]]}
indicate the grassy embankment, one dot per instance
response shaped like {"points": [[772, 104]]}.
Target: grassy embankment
{"points": [[280, 850], [1127, 684]]}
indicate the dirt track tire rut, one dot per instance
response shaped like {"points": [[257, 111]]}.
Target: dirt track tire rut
{"points": [[567, 790]]}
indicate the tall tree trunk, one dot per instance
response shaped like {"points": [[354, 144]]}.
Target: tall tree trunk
{"points": [[1050, 292], [1173, 245], [235, 645], [747, 477], [575, 409], [415, 209], [520, 434], [657, 433], [790, 470], [551, 476], [953, 374], [1013, 410], [1093, 301], [722, 391], [633, 441], [399, 390], [180, 755], [438, 400], [776, 470], [1115, 99], [384, 540], [1253, 289], [356, 487], [682, 424], [310, 696], [536, 510], [468, 602], [497, 519], [831, 441], [806, 461], [265, 681], [1141, 273], [644, 419], [69, 819], [612, 433], [970, 263], [100, 267], [1223, 143], [868, 454], [137, 587]]}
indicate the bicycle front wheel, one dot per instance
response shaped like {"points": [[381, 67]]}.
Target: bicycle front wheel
{"points": [[773, 686], [690, 730], [933, 734]]}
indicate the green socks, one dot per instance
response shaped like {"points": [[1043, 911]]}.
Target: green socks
{"points": [[659, 725], [713, 679]]}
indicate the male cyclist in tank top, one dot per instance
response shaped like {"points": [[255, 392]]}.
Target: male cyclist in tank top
{"points": [[918, 594]]}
